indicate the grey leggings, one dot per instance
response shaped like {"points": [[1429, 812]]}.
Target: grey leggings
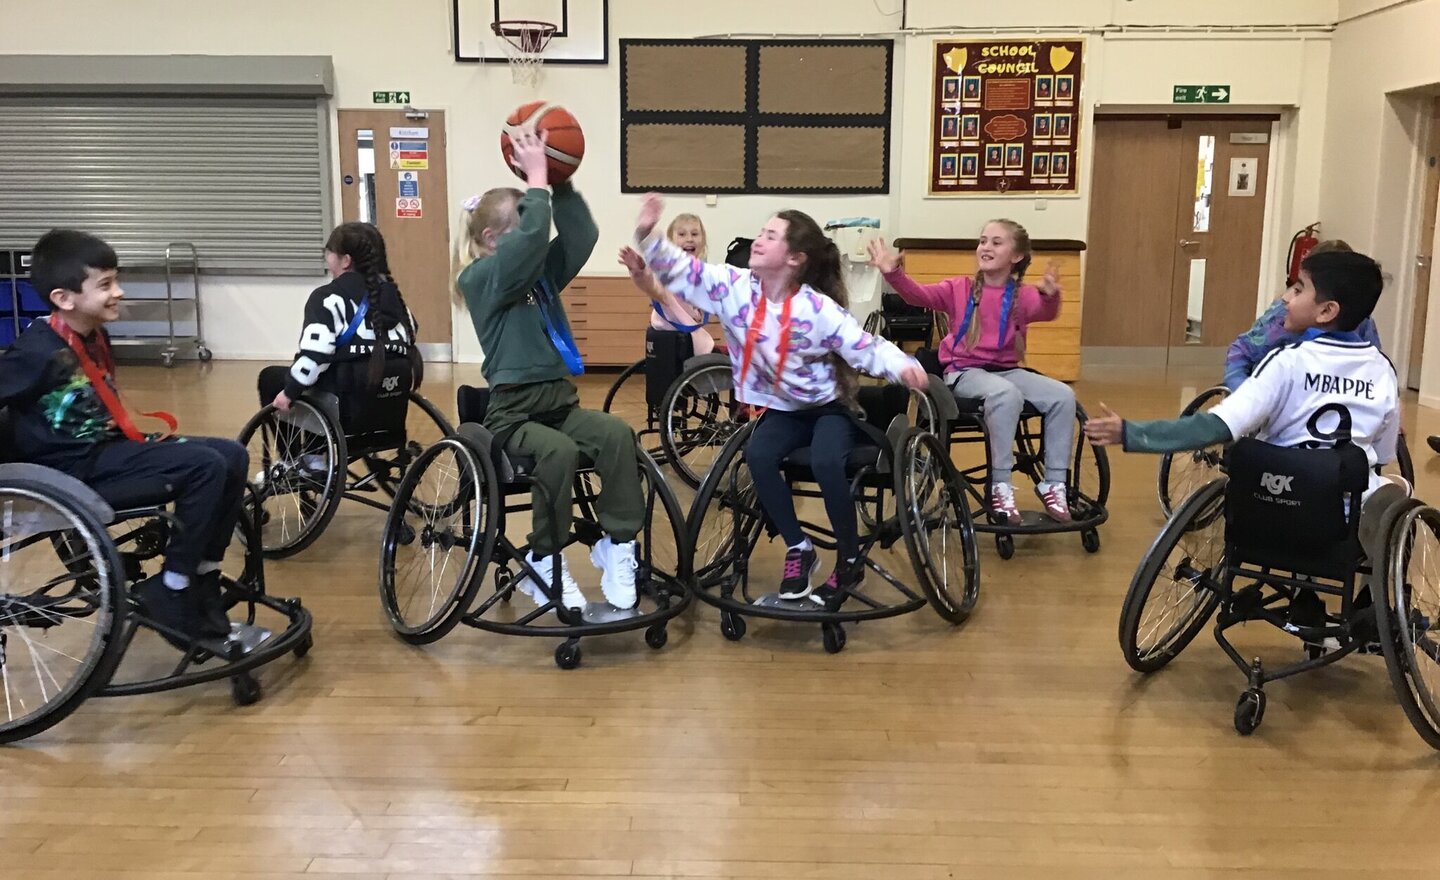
{"points": [[1004, 393]]}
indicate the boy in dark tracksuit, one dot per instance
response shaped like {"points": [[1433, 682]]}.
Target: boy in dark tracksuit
{"points": [[512, 291], [48, 381]]}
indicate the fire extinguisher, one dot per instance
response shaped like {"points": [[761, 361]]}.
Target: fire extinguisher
{"points": [[1301, 244]]}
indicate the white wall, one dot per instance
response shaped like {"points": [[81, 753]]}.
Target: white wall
{"points": [[1383, 65], [407, 46]]}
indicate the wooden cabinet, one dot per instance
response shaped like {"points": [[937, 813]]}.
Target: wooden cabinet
{"points": [[1053, 346], [608, 317]]}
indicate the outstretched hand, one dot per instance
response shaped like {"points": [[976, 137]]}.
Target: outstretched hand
{"points": [[633, 263], [1050, 284], [1107, 429], [281, 402], [528, 156], [650, 208], [882, 257]]}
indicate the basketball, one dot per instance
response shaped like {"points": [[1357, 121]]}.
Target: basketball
{"points": [[565, 142]]}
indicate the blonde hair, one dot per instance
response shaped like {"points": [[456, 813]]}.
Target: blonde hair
{"points": [[494, 211], [704, 250], [1021, 238]]}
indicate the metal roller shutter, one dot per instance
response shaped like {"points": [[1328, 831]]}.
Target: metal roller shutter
{"points": [[242, 178]]}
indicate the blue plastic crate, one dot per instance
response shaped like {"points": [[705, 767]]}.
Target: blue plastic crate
{"points": [[30, 300]]}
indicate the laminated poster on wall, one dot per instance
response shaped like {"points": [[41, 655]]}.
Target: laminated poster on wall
{"points": [[408, 209], [1005, 116]]}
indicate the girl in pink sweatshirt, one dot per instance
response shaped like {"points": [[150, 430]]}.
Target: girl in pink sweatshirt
{"points": [[989, 315]]}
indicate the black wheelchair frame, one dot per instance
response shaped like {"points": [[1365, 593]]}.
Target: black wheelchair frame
{"points": [[929, 506], [473, 516], [95, 571]]}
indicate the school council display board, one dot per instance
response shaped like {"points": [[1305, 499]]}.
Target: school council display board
{"points": [[1005, 117]]}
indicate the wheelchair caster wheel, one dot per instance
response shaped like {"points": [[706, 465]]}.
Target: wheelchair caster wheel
{"points": [[304, 646], [1090, 540], [567, 656], [656, 636], [167, 358], [834, 636], [504, 584], [204, 355], [245, 689], [732, 626], [1005, 546], [1249, 711]]}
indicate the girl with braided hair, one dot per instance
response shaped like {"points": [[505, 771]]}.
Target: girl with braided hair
{"points": [[358, 315], [990, 314]]}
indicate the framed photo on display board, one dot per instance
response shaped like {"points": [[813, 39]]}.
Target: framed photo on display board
{"points": [[1018, 103]]}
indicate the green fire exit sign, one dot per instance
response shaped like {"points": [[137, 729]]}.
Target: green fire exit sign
{"points": [[1201, 95], [391, 97]]}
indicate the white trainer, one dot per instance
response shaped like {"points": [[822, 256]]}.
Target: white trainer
{"points": [[617, 571], [570, 591]]}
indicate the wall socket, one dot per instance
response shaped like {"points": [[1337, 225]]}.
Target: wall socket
{"points": [[712, 201]]}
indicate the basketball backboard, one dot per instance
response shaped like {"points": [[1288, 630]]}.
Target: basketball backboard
{"points": [[582, 37]]}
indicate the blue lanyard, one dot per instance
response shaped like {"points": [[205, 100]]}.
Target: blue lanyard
{"points": [[354, 326], [683, 328], [559, 337], [972, 302]]}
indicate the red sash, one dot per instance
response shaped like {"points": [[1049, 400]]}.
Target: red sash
{"points": [[752, 338], [96, 375]]}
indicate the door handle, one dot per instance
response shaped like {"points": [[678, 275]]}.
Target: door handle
{"points": [[1422, 261], [1186, 242]]}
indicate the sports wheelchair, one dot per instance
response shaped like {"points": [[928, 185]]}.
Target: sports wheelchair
{"points": [[1220, 555], [353, 443], [448, 524], [68, 560], [905, 488], [962, 423], [1181, 473], [901, 322]]}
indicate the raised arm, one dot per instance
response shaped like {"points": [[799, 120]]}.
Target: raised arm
{"points": [[702, 285], [576, 235], [1043, 304], [938, 297], [841, 333]]}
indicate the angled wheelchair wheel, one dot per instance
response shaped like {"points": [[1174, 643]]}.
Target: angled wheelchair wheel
{"points": [[1177, 586], [1183, 472], [298, 472], [425, 425], [725, 521], [62, 588], [1403, 463], [438, 539], [699, 414], [627, 399], [1407, 613], [935, 521]]}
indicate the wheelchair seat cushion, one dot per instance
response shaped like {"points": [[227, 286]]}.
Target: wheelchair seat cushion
{"points": [[510, 466], [1295, 509], [798, 463]]}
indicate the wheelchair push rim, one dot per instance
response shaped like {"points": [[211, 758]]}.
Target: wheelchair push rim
{"points": [[939, 534], [298, 464], [1187, 564], [425, 425], [1408, 617], [1181, 473], [699, 415], [446, 504], [60, 628]]}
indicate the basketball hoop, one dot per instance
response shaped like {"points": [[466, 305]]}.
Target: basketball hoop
{"points": [[524, 43]]}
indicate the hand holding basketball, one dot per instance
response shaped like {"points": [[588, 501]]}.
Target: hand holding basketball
{"points": [[650, 210], [528, 157], [562, 141], [881, 257]]}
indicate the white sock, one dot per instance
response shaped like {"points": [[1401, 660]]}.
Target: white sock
{"points": [[174, 580], [207, 567], [803, 545]]}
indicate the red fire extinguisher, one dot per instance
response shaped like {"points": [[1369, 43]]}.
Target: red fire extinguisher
{"points": [[1301, 245]]}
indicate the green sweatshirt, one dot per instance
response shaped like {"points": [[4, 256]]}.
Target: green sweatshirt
{"points": [[1173, 435], [499, 289]]}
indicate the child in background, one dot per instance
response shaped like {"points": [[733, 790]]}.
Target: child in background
{"points": [[991, 313], [668, 313]]}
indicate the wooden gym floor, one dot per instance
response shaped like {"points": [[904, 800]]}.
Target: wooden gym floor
{"points": [[1018, 745]]}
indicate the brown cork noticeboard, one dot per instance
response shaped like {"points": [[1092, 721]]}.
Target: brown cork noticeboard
{"points": [[1005, 117]]}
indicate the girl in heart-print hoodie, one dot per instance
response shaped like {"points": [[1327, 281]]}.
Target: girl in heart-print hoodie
{"points": [[794, 350]]}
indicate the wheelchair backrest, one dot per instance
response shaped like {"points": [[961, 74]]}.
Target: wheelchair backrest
{"points": [[881, 404], [737, 253], [365, 409], [471, 404], [1296, 510], [929, 358], [666, 352]]}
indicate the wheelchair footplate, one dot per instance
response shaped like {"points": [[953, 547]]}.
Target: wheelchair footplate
{"points": [[604, 612], [773, 600]]}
